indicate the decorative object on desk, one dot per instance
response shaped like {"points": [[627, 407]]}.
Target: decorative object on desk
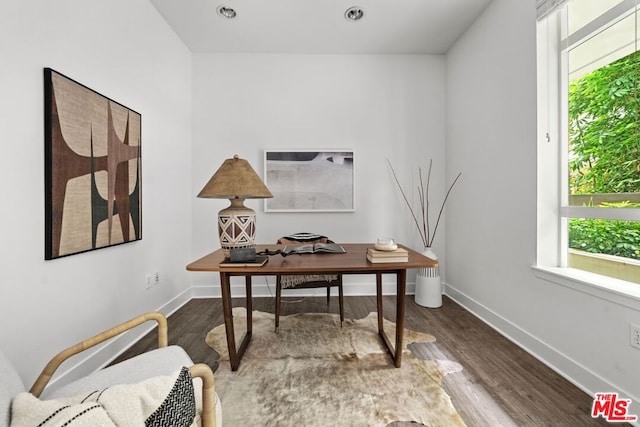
{"points": [[242, 254], [236, 180], [378, 256], [385, 244], [310, 181], [328, 375], [92, 169], [428, 287]]}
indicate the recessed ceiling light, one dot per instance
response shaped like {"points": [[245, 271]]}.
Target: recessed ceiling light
{"points": [[354, 14], [227, 12]]}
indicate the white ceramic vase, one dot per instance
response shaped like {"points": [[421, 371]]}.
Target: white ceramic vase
{"points": [[428, 286]]}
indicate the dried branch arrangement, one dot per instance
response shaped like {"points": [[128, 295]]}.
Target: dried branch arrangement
{"points": [[422, 223]]}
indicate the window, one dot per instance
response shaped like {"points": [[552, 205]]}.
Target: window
{"points": [[589, 150]]}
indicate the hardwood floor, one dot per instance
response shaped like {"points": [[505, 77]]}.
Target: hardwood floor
{"points": [[500, 384]]}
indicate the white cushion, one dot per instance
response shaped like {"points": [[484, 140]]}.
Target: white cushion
{"points": [[162, 401], [29, 411]]}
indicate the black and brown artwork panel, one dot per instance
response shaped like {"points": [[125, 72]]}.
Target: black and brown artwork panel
{"points": [[93, 159]]}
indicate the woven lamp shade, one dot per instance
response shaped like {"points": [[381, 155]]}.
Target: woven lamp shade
{"points": [[236, 180]]}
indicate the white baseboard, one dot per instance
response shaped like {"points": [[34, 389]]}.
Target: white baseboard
{"points": [[579, 375]]}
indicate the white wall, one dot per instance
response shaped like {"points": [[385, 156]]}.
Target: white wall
{"points": [[491, 222], [380, 106], [124, 50]]}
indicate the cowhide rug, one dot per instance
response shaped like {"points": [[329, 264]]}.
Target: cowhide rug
{"points": [[314, 373]]}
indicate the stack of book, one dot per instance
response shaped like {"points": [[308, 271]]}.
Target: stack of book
{"points": [[398, 255]]}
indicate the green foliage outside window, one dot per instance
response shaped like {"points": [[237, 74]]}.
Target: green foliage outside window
{"points": [[605, 236], [604, 119], [600, 236]]}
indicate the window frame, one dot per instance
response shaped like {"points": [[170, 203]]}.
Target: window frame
{"points": [[553, 207]]}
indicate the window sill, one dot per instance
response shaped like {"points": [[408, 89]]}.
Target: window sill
{"points": [[603, 287]]}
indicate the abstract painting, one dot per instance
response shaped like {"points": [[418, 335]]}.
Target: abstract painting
{"points": [[310, 180], [92, 169]]}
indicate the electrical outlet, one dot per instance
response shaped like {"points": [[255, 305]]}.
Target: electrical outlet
{"points": [[148, 282], [156, 278], [634, 335]]}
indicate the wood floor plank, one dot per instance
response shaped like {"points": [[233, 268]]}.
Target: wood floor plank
{"points": [[500, 384]]}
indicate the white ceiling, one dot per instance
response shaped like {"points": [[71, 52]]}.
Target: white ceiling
{"points": [[319, 26]]}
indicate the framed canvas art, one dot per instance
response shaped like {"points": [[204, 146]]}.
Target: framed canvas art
{"points": [[310, 180], [92, 169]]}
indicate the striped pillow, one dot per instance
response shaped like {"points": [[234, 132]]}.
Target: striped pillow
{"points": [[160, 401]]}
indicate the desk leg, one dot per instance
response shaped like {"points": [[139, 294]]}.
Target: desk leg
{"points": [[247, 284], [400, 306], [249, 303], [235, 355], [228, 320], [396, 353], [379, 302]]}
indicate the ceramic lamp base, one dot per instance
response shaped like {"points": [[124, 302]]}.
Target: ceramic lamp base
{"points": [[236, 227]]}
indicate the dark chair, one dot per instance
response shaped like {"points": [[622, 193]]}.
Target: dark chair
{"points": [[302, 281]]}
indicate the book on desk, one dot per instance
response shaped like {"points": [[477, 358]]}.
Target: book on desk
{"points": [[377, 256], [259, 261], [314, 248]]}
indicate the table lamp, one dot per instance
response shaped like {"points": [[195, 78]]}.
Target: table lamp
{"points": [[236, 180]]}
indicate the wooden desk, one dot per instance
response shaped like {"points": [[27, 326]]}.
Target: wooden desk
{"points": [[352, 262]]}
